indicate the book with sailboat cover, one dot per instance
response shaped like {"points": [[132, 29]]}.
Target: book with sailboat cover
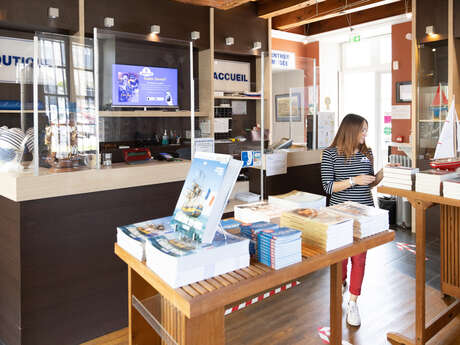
{"points": [[204, 195], [445, 156]]}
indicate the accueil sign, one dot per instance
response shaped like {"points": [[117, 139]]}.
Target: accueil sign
{"points": [[232, 76], [283, 60], [13, 53]]}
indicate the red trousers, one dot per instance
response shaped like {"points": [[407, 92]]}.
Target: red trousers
{"points": [[358, 263]]}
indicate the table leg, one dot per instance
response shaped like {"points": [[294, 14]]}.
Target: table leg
{"points": [[206, 329], [336, 304], [140, 332], [420, 274]]}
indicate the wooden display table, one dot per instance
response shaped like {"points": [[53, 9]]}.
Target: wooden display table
{"points": [[194, 314], [450, 262]]}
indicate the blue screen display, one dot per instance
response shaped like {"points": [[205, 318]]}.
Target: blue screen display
{"points": [[144, 86]]}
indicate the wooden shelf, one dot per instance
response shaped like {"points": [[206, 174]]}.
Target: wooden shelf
{"points": [[243, 98], [149, 113], [19, 112]]}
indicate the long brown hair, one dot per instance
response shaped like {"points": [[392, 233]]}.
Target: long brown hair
{"points": [[346, 139]]}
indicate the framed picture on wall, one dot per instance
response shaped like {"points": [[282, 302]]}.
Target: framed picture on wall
{"points": [[288, 107], [403, 92]]}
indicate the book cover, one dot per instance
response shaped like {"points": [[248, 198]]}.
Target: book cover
{"points": [[143, 230], [203, 197], [298, 199]]}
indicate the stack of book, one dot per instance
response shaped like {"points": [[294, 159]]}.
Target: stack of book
{"points": [[399, 177], [451, 188], [298, 199], [179, 261], [430, 181], [187, 248], [250, 232], [280, 247], [259, 212], [320, 228], [247, 197], [132, 237], [230, 225], [367, 220]]}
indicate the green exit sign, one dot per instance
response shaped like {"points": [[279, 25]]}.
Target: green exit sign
{"points": [[355, 38]]}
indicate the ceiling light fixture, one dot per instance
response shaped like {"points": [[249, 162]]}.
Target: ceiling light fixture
{"points": [[195, 35], [109, 22], [53, 12], [155, 29]]}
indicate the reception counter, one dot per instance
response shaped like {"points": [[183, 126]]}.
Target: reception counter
{"points": [[61, 283]]}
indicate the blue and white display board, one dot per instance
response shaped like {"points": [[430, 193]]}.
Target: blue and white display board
{"points": [[283, 60], [232, 76], [14, 52]]}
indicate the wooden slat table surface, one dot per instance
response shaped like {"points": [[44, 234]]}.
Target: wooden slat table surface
{"points": [[204, 296]]}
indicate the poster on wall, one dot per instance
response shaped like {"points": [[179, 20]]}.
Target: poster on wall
{"points": [[232, 76], [282, 60], [326, 132], [15, 51], [288, 107]]}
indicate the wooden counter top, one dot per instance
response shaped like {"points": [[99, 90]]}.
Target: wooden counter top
{"points": [[25, 186]]}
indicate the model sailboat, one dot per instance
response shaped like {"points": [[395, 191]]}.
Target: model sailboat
{"points": [[445, 156]]}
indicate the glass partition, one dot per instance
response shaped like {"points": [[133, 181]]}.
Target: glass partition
{"points": [[16, 105], [295, 104], [433, 98], [146, 87], [64, 104]]}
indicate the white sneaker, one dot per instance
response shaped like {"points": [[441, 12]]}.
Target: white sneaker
{"points": [[353, 318]]}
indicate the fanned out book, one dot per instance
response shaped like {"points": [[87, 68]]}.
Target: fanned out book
{"points": [[451, 188], [132, 237], [399, 177], [430, 181], [367, 220], [298, 199], [180, 261], [320, 228], [280, 247], [204, 195], [259, 212]]}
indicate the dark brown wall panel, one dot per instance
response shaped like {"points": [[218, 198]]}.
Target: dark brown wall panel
{"points": [[177, 20], [33, 15], [10, 297], [243, 24], [457, 18], [434, 13]]}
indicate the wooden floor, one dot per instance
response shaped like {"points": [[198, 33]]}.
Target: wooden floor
{"points": [[294, 316]]}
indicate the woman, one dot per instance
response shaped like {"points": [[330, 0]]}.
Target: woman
{"points": [[347, 174]]}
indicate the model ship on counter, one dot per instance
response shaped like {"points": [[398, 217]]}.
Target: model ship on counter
{"points": [[446, 154]]}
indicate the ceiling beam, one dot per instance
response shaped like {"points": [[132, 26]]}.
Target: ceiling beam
{"points": [[325, 10], [219, 4], [271, 8], [356, 18]]}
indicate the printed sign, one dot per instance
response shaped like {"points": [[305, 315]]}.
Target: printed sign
{"points": [[15, 52], [232, 76], [251, 158], [283, 60]]}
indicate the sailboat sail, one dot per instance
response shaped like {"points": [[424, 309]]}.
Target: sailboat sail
{"points": [[445, 146]]}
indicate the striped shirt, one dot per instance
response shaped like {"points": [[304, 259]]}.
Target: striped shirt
{"points": [[335, 167]]}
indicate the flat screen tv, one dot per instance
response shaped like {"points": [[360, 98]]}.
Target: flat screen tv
{"points": [[144, 86]]}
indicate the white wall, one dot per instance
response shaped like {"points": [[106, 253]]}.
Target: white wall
{"points": [[329, 62]]}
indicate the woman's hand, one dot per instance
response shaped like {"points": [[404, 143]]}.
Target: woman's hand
{"points": [[363, 180]]}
